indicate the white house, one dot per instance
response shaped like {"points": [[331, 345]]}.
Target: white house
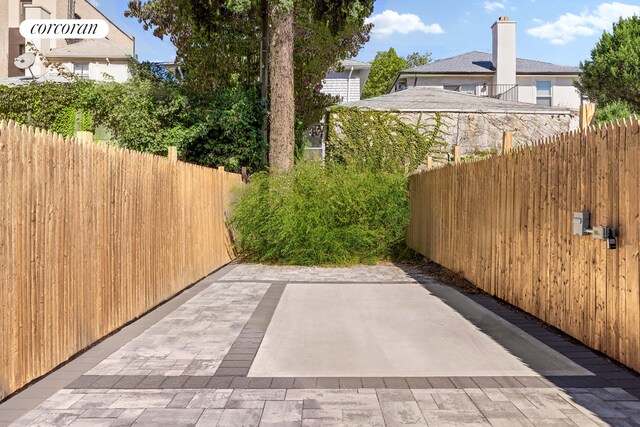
{"points": [[499, 74], [88, 59], [93, 60], [347, 82]]}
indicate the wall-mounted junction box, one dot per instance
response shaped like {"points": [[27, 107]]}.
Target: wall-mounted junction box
{"points": [[581, 223]]}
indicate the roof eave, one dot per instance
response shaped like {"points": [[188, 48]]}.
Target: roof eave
{"points": [[568, 111]]}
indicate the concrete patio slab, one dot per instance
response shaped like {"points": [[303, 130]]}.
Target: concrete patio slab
{"points": [[139, 376], [398, 330]]}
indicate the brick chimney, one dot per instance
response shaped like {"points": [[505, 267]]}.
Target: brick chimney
{"points": [[504, 51]]}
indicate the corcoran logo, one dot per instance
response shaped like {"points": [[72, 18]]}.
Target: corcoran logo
{"points": [[64, 29]]}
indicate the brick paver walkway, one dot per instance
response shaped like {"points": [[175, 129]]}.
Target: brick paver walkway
{"points": [[191, 365]]}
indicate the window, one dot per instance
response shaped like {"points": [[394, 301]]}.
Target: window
{"points": [[21, 49], [401, 85], [543, 93], [81, 70], [468, 89]]}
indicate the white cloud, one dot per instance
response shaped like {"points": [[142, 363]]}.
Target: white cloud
{"points": [[569, 26], [96, 3], [390, 22], [493, 5]]}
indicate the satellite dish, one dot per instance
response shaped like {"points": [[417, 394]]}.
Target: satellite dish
{"points": [[25, 60]]}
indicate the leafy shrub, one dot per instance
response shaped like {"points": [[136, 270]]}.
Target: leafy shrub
{"points": [[43, 105], [614, 111], [382, 140], [149, 113], [322, 215]]}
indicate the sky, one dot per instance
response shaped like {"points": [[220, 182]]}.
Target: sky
{"points": [[558, 31]]}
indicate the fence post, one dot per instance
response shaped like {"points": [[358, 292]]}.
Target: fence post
{"points": [[172, 154], [84, 136], [245, 175], [587, 111], [221, 168], [456, 154], [507, 142], [429, 163]]}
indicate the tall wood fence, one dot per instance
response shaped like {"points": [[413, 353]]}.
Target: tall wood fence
{"points": [[91, 237], [505, 224]]}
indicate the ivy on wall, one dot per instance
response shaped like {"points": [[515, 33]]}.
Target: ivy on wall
{"points": [[381, 140], [148, 114], [47, 106]]}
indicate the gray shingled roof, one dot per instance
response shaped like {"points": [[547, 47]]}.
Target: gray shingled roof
{"points": [[429, 99], [88, 49], [481, 63], [348, 63]]}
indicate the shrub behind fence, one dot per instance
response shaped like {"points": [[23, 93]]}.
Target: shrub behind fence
{"points": [[91, 237], [505, 224]]}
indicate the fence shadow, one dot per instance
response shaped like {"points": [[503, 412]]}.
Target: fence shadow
{"points": [[591, 379]]}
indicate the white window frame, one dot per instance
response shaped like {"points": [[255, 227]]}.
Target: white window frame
{"points": [[549, 97], [84, 66]]}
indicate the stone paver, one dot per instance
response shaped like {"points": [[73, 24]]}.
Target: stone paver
{"points": [[170, 373], [340, 407], [193, 340]]}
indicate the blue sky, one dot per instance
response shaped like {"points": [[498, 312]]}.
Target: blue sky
{"points": [[558, 31]]}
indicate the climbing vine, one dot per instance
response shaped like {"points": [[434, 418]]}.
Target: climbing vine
{"points": [[382, 140]]}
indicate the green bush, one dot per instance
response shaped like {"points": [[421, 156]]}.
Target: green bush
{"points": [[616, 110], [149, 113], [322, 215], [383, 140]]}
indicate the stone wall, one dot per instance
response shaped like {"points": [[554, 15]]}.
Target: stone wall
{"points": [[478, 133]]}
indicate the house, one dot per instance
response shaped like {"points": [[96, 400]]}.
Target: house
{"points": [[80, 60], [499, 74], [97, 59], [347, 83], [474, 123]]}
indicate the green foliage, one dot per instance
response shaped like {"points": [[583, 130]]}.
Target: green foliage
{"points": [[382, 140], [384, 69], [149, 113], [386, 66], [616, 110], [218, 42], [39, 105], [227, 132], [613, 73], [322, 215], [416, 59]]}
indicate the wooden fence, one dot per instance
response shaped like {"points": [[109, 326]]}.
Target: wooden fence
{"points": [[505, 224], [91, 237]]}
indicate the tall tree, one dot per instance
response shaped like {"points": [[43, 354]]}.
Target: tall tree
{"points": [[416, 59], [203, 32], [281, 83], [384, 68], [613, 72]]}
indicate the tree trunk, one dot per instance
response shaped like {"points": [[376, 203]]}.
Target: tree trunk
{"points": [[282, 106]]}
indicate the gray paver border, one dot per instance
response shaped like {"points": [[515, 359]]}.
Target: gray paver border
{"points": [[30, 396]]}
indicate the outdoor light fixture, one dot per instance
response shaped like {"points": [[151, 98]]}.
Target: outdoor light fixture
{"points": [[582, 227]]}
